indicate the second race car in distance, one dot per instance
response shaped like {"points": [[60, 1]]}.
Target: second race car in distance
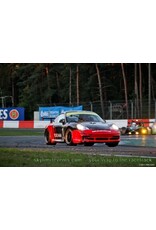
{"points": [[81, 127], [137, 127]]}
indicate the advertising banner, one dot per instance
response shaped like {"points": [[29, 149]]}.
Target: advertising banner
{"points": [[12, 114], [49, 113]]}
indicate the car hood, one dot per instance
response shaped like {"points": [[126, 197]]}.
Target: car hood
{"points": [[97, 125]]}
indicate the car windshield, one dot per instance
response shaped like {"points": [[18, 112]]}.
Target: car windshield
{"points": [[83, 117]]}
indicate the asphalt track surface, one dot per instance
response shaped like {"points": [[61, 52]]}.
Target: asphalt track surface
{"points": [[143, 146]]}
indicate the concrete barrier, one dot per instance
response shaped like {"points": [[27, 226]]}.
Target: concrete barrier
{"points": [[42, 124], [11, 124], [119, 123], [1, 124], [23, 124]]}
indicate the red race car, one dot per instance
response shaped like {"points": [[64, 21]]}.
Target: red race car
{"points": [[81, 127]]}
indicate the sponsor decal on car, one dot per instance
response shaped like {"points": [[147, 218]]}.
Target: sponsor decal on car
{"points": [[102, 130]]}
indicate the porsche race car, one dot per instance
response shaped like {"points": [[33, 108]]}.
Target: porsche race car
{"points": [[81, 127]]}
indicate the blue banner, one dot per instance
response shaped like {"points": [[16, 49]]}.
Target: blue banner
{"points": [[12, 114], [47, 113]]}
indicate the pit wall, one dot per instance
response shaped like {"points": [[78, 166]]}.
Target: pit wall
{"points": [[42, 124]]}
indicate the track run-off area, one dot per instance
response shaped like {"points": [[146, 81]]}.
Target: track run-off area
{"points": [[132, 145]]}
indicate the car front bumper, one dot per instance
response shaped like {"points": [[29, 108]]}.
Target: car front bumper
{"points": [[96, 136]]}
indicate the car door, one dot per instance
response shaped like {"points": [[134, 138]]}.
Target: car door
{"points": [[58, 127]]}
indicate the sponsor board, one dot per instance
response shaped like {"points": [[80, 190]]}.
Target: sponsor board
{"points": [[12, 114], [47, 113]]}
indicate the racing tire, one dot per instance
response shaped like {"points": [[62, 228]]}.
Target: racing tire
{"points": [[88, 144], [112, 144], [47, 138], [68, 137]]}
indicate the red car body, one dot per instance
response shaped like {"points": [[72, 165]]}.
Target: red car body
{"points": [[82, 127]]}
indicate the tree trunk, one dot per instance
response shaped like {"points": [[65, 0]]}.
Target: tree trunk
{"points": [[140, 88], [13, 91], [149, 90], [48, 83], [58, 84], [70, 87], [100, 91], [136, 91], [125, 87], [77, 85]]}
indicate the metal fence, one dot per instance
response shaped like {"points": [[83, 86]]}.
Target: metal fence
{"points": [[118, 109]]}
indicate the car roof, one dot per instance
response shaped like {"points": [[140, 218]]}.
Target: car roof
{"points": [[68, 113]]}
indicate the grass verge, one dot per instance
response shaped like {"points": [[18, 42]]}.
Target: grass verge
{"points": [[21, 132], [11, 157]]}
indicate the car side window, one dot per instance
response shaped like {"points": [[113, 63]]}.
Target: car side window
{"points": [[59, 119], [72, 119]]}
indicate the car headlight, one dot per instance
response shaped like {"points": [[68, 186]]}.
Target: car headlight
{"points": [[114, 127], [144, 131], [81, 127]]}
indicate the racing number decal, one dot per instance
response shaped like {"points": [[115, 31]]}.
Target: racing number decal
{"points": [[58, 132], [57, 135]]}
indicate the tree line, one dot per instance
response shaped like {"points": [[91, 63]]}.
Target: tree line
{"points": [[32, 85]]}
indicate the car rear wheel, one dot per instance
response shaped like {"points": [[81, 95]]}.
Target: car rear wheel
{"points": [[68, 137], [112, 144], [47, 138]]}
